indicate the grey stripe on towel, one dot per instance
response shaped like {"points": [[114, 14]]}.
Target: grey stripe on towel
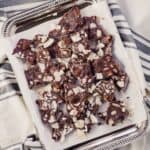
{"points": [[128, 36]]}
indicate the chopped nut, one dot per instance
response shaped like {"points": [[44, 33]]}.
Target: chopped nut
{"points": [[61, 44], [113, 112], [52, 119], [120, 84], [99, 33], [76, 37], [82, 49], [93, 119], [100, 45], [93, 25], [48, 43], [58, 74], [92, 88], [79, 124], [73, 112], [55, 125], [98, 100], [99, 76], [100, 53]]}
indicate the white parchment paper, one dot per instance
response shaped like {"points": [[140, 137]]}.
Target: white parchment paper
{"points": [[135, 102]]}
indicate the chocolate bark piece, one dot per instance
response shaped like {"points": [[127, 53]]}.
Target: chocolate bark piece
{"points": [[22, 45], [107, 66], [106, 89], [116, 113], [70, 20], [23, 51], [49, 106], [83, 72], [56, 70], [34, 77]]}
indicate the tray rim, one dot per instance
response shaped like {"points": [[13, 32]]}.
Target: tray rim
{"points": [[139, 130]]}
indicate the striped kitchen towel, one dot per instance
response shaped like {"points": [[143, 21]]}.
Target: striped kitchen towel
{"points": [[131, 40], [8, 84]]}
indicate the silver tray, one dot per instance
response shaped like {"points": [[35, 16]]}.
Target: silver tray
{"points": [[52, 10]]}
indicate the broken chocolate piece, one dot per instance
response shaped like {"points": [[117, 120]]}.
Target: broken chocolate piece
{"points": [[116, 112], [106, 89], [34, 77], [71, 20], [22, 45]]}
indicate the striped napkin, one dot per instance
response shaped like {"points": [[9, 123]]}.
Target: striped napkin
{"points": [[131, 39], [133, 42]]}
